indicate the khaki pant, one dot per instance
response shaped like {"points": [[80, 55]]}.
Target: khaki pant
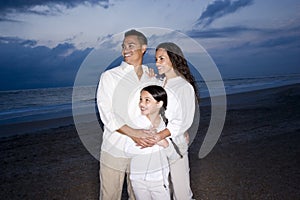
{"points": [[180, 178], [112, 173]]}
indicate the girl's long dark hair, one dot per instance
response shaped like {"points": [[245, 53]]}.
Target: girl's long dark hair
{"points": [[179, 63], [159, 94]]}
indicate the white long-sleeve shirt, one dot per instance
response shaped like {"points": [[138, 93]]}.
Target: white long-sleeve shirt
{"points": [[180, 109], [151, 163], [117, 99]]}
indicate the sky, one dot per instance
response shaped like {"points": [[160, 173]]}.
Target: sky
{"points": [[44, 42]]}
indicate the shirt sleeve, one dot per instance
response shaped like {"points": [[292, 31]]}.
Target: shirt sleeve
{"points": [[131, 149], [105, 91], [180, 110], [171, 152]]}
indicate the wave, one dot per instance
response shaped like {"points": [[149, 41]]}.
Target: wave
{"points": [[37, 104]]}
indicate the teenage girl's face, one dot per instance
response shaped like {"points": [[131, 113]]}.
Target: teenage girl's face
{"points": [[163, 62], [148, 105], [133, 50]]}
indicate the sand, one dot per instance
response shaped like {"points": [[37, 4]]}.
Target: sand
{"points": [[256, 157]]}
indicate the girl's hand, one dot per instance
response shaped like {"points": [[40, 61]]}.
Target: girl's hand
{"points": [[143, 142], [145, 138], [163, 143]]}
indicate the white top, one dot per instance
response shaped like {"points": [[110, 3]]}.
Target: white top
{"points": [[117, 99], [151, 163], [180, 110]]}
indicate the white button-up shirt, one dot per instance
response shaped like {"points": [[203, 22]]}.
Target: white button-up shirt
{"points": [[118, 96], [180, 109], [151, 163]]}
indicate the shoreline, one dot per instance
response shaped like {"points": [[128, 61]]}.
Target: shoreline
{"points": [[234, 101], [255, 158]]}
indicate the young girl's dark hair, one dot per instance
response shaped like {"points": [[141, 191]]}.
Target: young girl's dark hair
{"points": [[179, 63], [159, 94]]}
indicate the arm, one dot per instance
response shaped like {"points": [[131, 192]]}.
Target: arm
{"points": [[112, 119], [105, 92], [139, 136], [169, 149], [180, 112], [109, 114]]}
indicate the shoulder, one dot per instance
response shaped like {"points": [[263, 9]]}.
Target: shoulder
{"points": [[161, 125], [179, 83], [180, 89], [113, 70], [142, 121], [110, 73]]}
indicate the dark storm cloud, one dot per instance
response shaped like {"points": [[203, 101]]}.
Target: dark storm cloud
{"points": [[23, 6], [25, 65], [219, 8]]}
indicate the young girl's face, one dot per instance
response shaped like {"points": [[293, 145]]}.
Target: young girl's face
{"points": [[148, 104]]}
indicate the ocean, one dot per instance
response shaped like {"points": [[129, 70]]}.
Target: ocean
{"points": [[29, 105]]}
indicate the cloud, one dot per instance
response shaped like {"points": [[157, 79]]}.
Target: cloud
{"points": [[220, 32], [15, 40], [25, 65], [281, 41], [5, 19], [220, 8], [247, 51], [43, 7], [264, 37]]}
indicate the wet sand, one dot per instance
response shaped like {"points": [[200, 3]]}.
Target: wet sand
{"points": [[256, 157]]}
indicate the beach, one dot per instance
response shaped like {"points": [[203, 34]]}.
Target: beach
{"points": [[256, 157]]}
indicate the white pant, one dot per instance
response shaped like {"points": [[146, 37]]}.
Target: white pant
{"points": [[180, 178], [150, 190]]}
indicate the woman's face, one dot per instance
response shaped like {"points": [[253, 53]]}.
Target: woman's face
{"points": [[163, 62], [148, 105]]}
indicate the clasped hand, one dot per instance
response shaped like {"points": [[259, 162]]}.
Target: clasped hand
{"points": [[146, 138]]}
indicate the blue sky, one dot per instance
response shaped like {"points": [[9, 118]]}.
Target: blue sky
{"points": [[44, 42]]}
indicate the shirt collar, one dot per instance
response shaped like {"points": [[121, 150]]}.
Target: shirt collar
{"points": [[127, 67]]}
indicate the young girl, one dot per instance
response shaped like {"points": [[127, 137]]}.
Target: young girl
{"points": [[149, 167]]}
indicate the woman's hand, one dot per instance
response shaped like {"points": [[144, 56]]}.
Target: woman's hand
{"points": [[151, 73], [187, 137]]}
